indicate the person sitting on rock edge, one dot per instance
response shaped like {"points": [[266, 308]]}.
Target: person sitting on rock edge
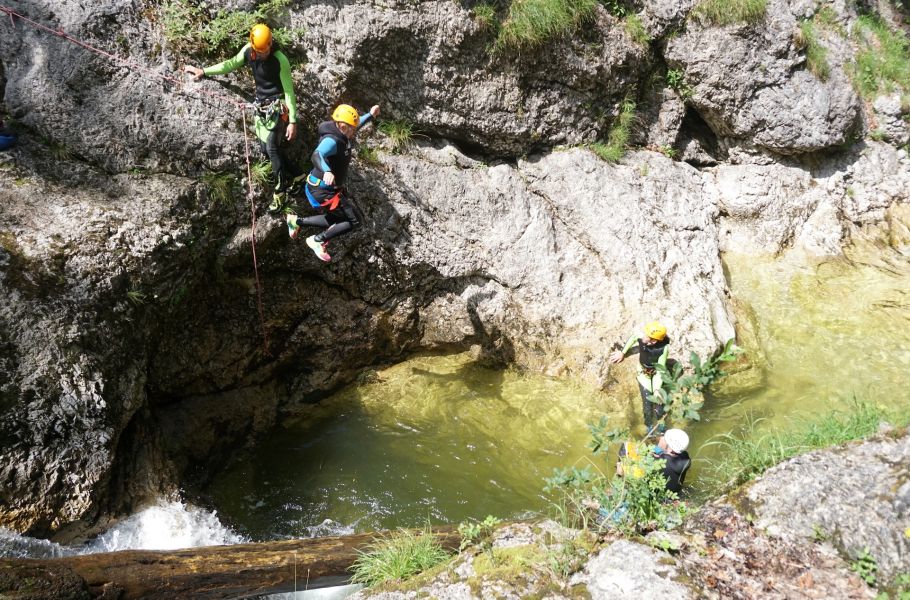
{"points": [[275, 89], [652, 349], [325, 184]]}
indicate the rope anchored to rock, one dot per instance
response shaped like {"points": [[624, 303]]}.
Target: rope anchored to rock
{"points": [[150, 73]]}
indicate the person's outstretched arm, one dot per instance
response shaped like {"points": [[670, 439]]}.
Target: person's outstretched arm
{"points": [[221, 68]]}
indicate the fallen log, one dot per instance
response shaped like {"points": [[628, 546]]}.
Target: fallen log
{"points": [[211, 572]]}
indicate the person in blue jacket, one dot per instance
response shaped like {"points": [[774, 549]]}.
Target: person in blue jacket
{"points": [[325, 184]]}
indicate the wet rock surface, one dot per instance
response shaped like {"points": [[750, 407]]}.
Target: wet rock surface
{"points": [[131, 352]]}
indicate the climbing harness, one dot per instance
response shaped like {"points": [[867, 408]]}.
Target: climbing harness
{"points": [[178, 83], [266, 116]]}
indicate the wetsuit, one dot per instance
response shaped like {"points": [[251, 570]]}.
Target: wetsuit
{"points": [[340, 214], [273, 82], [649, 380], [675, 468]]}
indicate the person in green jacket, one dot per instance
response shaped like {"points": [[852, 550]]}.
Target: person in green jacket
{"points": [[276, 122], [652, 349]]}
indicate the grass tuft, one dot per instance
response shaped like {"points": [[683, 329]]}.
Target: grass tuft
{"points": [[729, 12], [220, 186], [399, 133], [262, 173], [754, 449], [816, 54], [618, 139], [485, 15], [531, 23], [399, 556], [883, 60], [636, 29]]}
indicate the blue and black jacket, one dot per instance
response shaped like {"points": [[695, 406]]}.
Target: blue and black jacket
{"points": [[333, 153]]}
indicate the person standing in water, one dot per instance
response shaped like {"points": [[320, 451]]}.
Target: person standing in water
{"points": [[652, 349]]}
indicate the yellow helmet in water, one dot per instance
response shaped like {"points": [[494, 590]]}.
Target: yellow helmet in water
{"points": [[261, 38], [655, 331], [346, 114]]}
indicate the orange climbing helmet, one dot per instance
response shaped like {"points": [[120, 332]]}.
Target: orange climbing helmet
{"points": [[346, 114], [261, 38]]}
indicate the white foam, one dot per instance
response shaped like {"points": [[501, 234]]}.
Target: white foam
{"points": [[165, 526]]}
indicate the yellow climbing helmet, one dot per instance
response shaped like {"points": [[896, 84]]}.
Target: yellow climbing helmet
{"points": [[655, 331], [261, 37], [346, 114]]}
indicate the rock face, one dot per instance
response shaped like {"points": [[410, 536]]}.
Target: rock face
{"points": [[856, 498], [751, 82], [130, 344]]}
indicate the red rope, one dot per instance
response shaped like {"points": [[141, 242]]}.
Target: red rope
{"points": [[13, 15], [251, 196]]}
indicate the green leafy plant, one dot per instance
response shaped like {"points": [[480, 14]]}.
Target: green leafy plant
{"points": [[618, 139], [668, 151], [676, 79], [399, 133], [190, 28], [865, 566], [682, 392], [616, 8], [531, 23], [397, 557], [729, 12], [883, 60], [220, 186], [474, 532], [816, 54]]}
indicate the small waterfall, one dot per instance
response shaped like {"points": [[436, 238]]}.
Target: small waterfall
{"points": [[167, 525]]}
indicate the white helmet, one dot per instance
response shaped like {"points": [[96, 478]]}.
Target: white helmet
{"points": [[677, 440]]}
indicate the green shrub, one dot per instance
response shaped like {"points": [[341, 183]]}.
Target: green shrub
{"points": [[189, 28], [636, 29], [883, 60], [729, 12], [816, 54], [530, 23], [396, 557], [618, 139]]}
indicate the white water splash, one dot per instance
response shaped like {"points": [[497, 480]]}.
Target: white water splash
{"points": [[165, 526]]}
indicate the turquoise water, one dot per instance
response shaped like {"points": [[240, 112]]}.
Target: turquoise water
{"points": [[443, 439]]}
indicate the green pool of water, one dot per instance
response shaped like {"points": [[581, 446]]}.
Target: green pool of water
{"points": [[442, 439]]}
